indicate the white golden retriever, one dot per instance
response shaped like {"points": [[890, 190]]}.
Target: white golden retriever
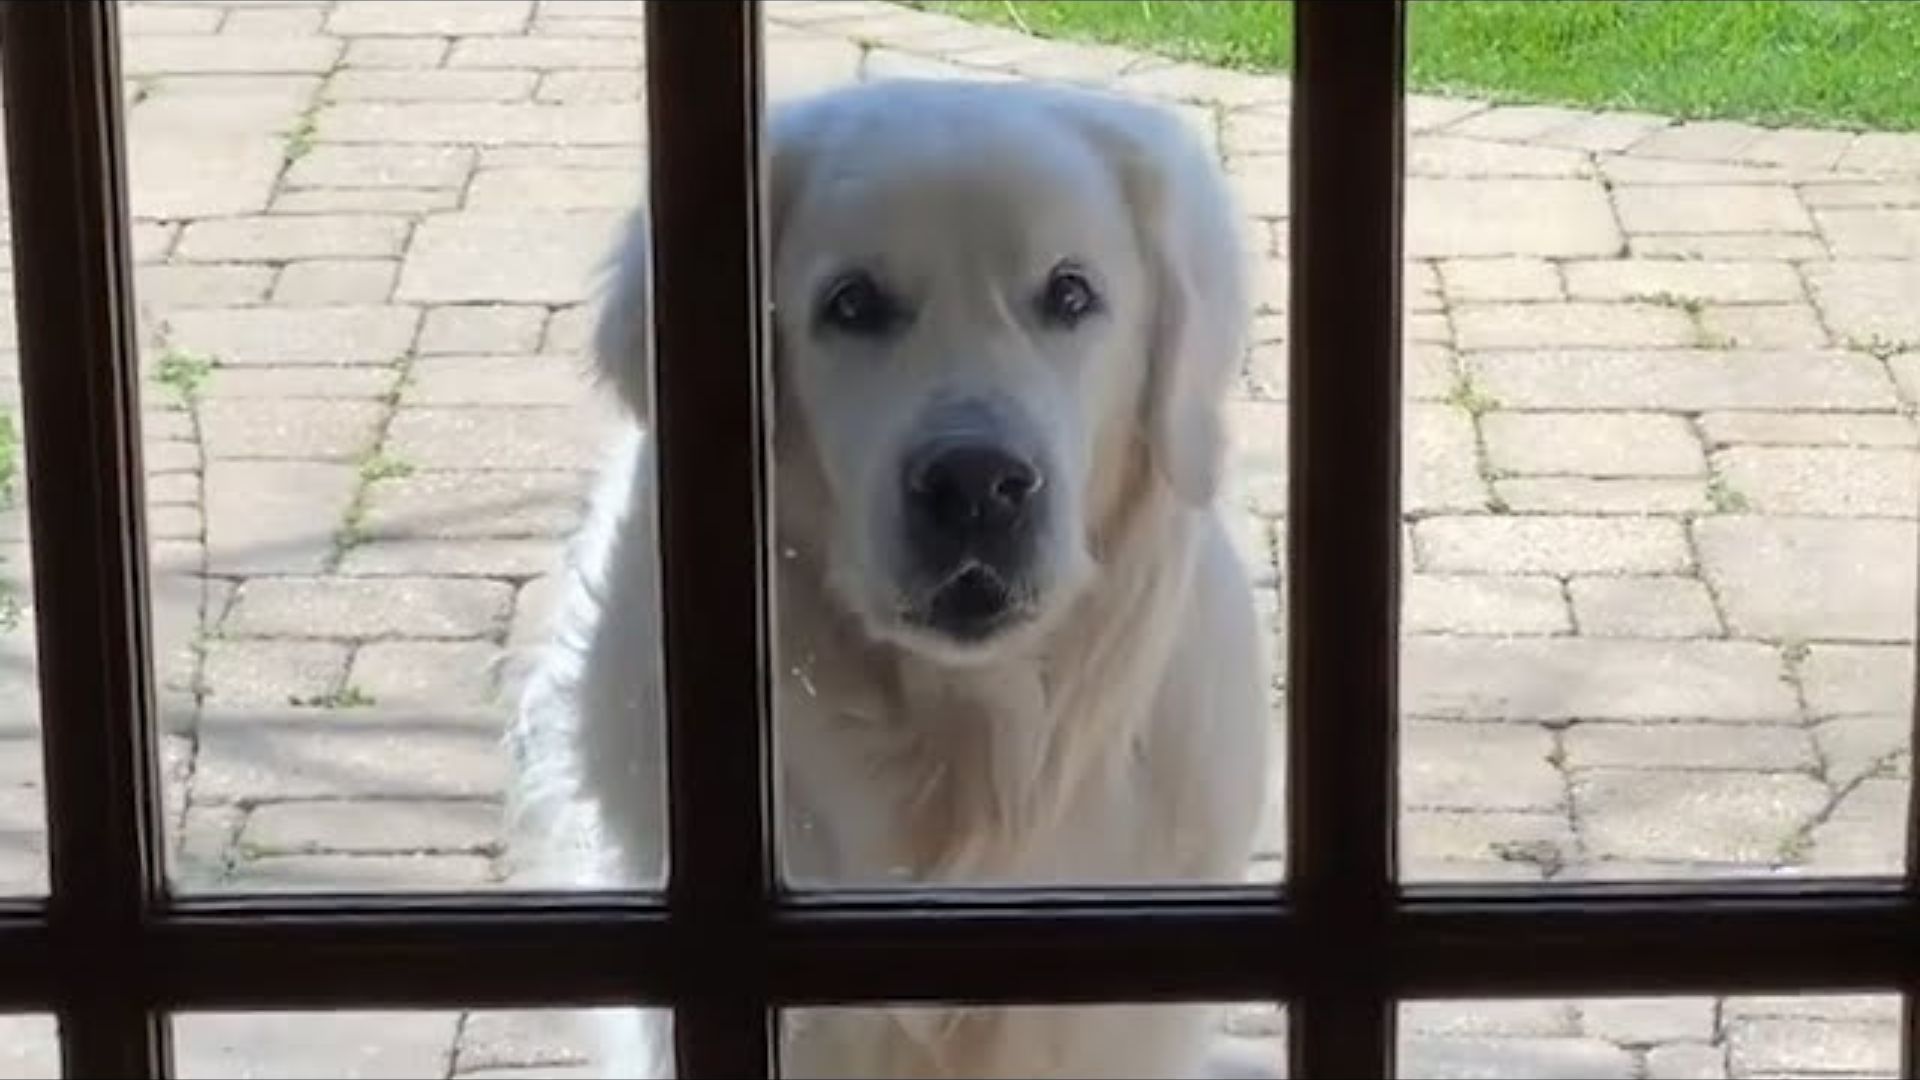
{"points": [[1015, 643]]}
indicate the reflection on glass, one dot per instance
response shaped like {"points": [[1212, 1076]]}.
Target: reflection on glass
{"points": [[481, 1043]]}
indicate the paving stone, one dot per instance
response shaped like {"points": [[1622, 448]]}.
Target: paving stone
{"points": [[450, 558], [1788, 247], [366, 608], [259, 755], [382, 167], [1762, 326], [1441, 468], [500, 380], [1703, 140], [481, 123], [496, 438], [188, 175], [265, 22], [1585, 495], [1876, 192], [302, 430], [1868, 300], [1481, 845], [145, 20], [1513, 1059], [462, 505], [274, 516], [363, 827], [1865, 832], [1571, 325], [431, 85], [1710, 208], [1550, 679], [383, 17], [1720, 281], [498, 1039], [1905, 369], [1682, 380], [1809, 429], [1842, 481], [1715, 747], [1253, 541], [531, 257], [174, 522], [1648, 607], [1482, 604], [1500, 279], [472, 329], [530, 188], [1856, 746], [427, 673], [320, 282], [1811, 578], [1800, 148], [1523, 1016], [1453, 766], [1686, 1061], [298, 383], [1443, 155], [414, 201], [1550, 545], [280, 239], [1847, 679], [1607, 132], [395, 52], [549, 52], [1257, 449], [1517, 123], [244, 672], [1590, 444], [29, 1046], [1452, 218], [166, 288], [173, 489], [278, 336], [191, 54], [1739, 817], [590, 86], [1871, 232], [569, 330], [1860, 1008], [362, 873], [1640, 1021], [1797, 1046]]}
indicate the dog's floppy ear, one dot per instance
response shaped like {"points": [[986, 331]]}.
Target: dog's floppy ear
{"points": [[1188, 229]]}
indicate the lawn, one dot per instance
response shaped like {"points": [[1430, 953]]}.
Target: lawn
{"points": [[1835, 63]]}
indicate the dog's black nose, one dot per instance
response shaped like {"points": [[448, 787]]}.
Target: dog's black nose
{"points": [[970, 490]]}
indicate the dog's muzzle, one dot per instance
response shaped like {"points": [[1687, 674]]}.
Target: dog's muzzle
{"points": [[973, 509]]}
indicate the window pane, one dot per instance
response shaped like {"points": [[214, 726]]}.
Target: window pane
{"points": [[1654, 1037], [480, 1043], [369, 237], [1660, 602], [1196, 1039], [29, 1048], [993, 665], [23, 866]]}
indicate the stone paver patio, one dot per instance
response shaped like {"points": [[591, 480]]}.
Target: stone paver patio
{"points": [[1662, 480]]}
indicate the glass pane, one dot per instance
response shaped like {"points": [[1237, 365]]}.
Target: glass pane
{"points": [[29, 1048], [1659, 1038], [1009, 650], [23, 863], [1662, 459], [369, 243], [1197, 1039], [481, 1043]]}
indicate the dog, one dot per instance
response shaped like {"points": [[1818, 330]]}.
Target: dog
{"points": [[1014, 644]]}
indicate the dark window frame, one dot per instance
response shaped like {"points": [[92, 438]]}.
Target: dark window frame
{"points": [[1341, 942]]}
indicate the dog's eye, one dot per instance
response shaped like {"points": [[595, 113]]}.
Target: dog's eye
{"points": [[856, 304], [1068, 297]]}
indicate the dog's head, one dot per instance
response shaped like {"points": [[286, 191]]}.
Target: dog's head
{"points": [[991, 301]]}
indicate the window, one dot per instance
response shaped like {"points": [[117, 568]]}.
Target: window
{"points": [[1341, 943]]}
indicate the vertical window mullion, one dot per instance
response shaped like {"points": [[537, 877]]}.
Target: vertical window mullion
{"points": [[705, 102], [80, 395], [1344, 522]]}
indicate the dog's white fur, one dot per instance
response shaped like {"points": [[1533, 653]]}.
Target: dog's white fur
{"points": [[1120, 737]]}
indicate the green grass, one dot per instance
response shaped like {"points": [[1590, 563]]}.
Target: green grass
{"points": [[1849, 63], [184, 373]]}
